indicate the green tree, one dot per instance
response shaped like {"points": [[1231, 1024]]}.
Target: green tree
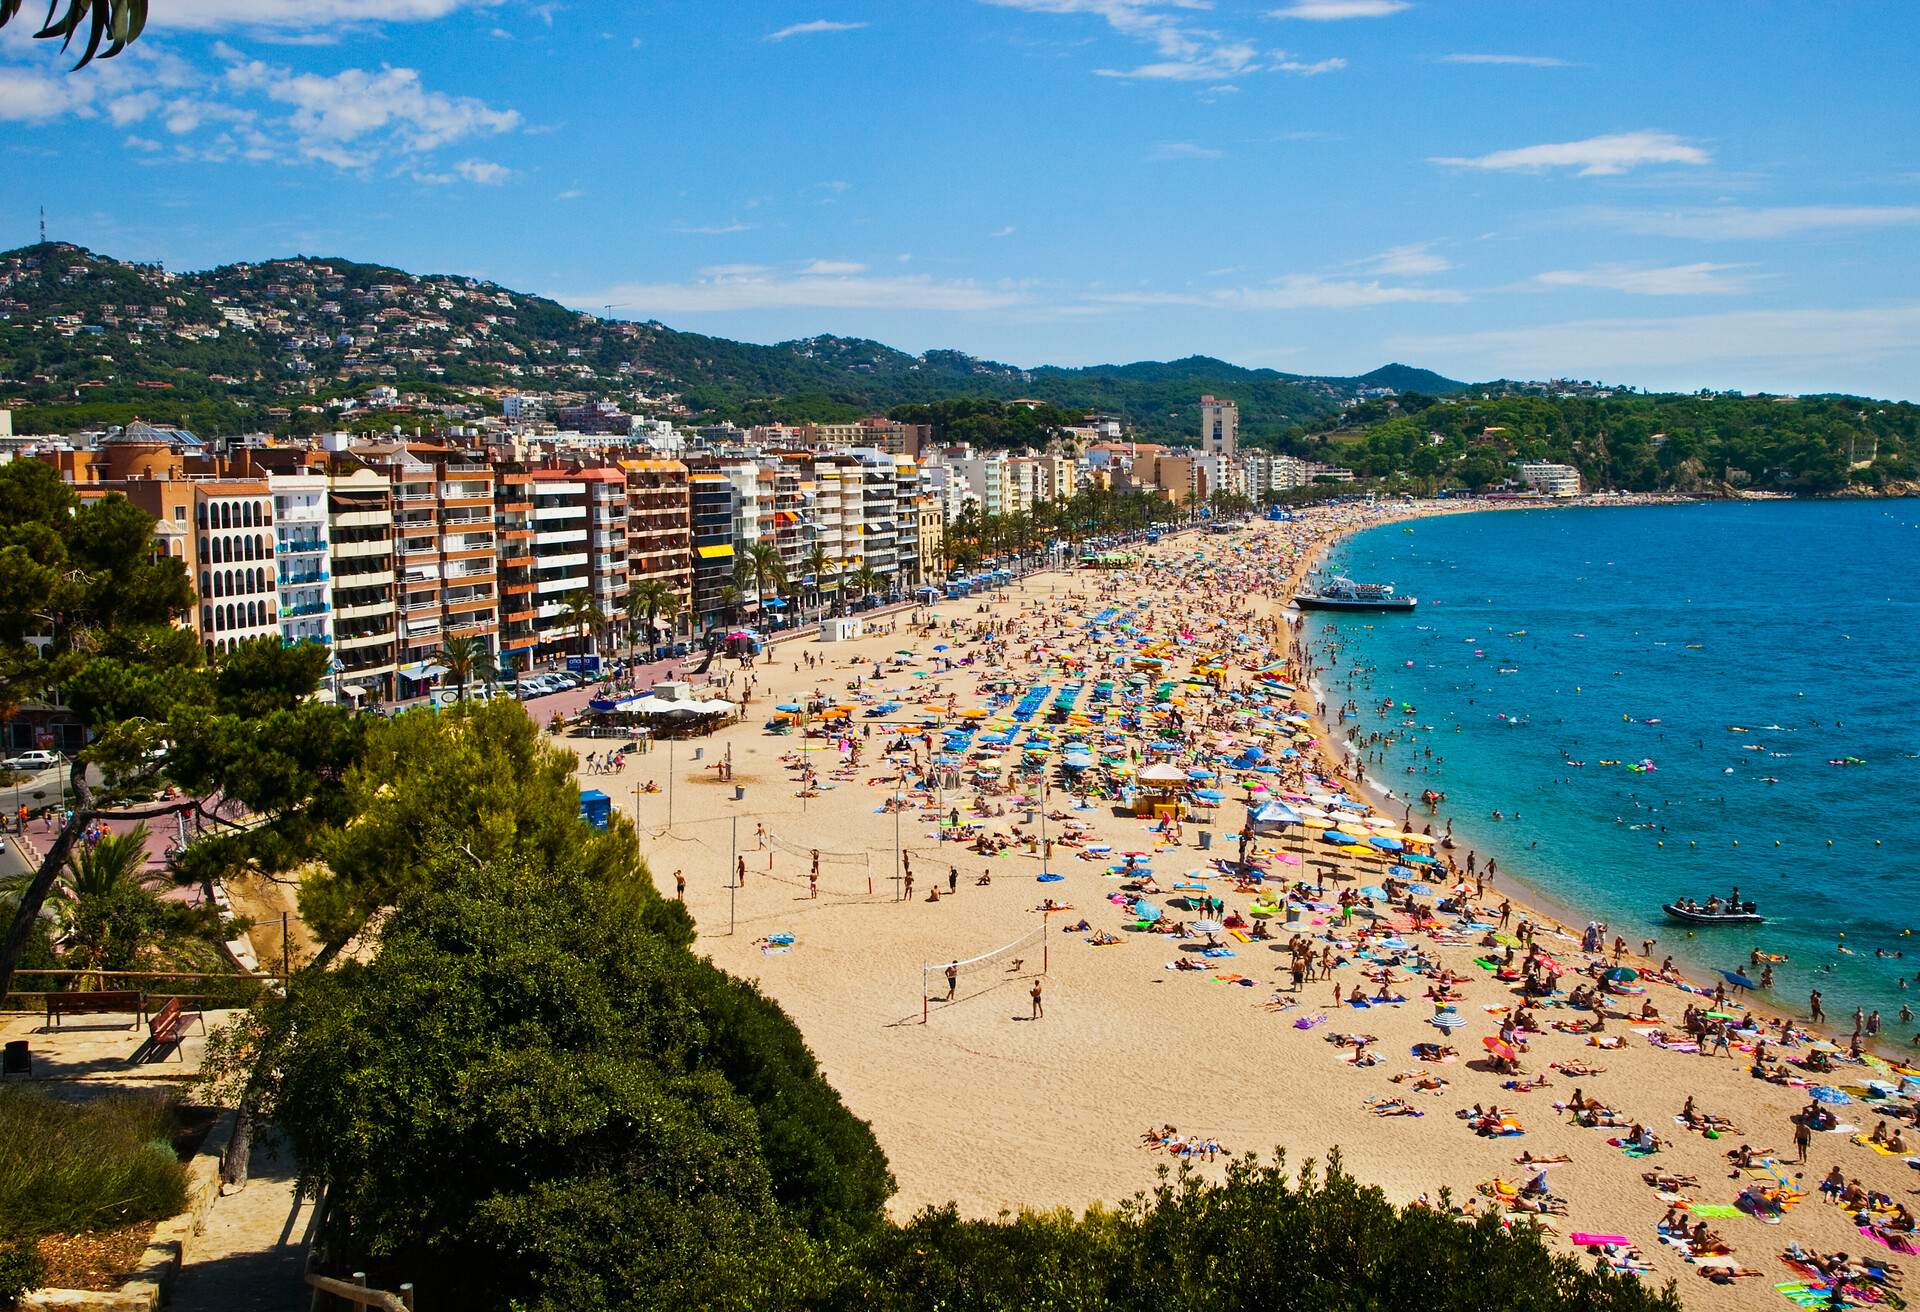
{"points": [[768, 571], [430, 792], [867, 579], [581, 615], [531, 1098], [90, 605], [460, 658], [652, 599]]}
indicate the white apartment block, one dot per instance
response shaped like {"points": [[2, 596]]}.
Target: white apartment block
{"points": [[1550, 479], [301, 551]]}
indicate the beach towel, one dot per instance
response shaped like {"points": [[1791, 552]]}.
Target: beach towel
{"points": [[1713, 1211], [1897, 1243], [1581, 1239], [1242, 935], [1631, 1150], [1308, 1022], [1880, 1148], [1217, 952]]}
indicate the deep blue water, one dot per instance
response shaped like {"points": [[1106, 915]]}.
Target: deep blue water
{"points": [[1650, 634]]}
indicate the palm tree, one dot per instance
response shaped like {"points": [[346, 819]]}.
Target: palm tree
{"points": [[650, 597], [730, 603], [118, 22], [768, 571], [815, 564], [581, 615], [460, 657], [867, 579], [116, 866]]}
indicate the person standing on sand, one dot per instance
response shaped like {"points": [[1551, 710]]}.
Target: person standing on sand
{"points": [[1813, 1005], [680, 884], [1802, 1137], [740, 874], [953, 978], [1038, 1010]]}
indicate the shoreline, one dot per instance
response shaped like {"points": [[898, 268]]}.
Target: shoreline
{"points": [[1528, 898]]}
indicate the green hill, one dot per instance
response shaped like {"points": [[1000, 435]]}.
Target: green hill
{"points": [[85, 338]]}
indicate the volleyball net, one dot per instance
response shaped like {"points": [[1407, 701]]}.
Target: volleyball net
{"points": [[844, 872], [1024, 957]]}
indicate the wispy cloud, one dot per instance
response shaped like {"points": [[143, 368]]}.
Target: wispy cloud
{"points": [[740, 287], [712, 229], [1169, 150], [1701, 344], [1734, 223], [1298, 291], [818, 25], [1519, 61], [485, 172], [227, 15], [1324, 11], [1600, 156], [1641, 280], [999, 233], [830, 268], [1186, 53], [1304, 69], [1415, 259]]}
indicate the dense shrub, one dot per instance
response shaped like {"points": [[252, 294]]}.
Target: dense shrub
{"points": [[531, 1098], [22, 1270], [68, 1167]]}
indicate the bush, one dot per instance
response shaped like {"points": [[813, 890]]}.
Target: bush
{"points": [[71, 1167], [530, 1098], [22, 1271]]}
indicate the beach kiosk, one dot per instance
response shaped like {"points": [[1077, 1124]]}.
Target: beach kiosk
{"points": [[1160, 792], [841, 628]]}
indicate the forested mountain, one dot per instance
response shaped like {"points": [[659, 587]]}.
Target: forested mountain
{"points": [[85, 338], [1690, 443]]}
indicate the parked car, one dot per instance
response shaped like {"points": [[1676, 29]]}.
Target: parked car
{"points": [[34, 760]]}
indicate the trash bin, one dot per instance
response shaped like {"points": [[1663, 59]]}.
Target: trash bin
{"points": [[1206, 840], [739, 792]]}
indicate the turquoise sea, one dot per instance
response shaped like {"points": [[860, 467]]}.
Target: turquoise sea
{"points": [[1732, 652]]}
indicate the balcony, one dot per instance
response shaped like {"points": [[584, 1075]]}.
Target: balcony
{"points": [[289, 580], [300, 548]]}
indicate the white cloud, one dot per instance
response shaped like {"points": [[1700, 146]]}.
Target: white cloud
{"points": [[1733, 223], [1297, 291], [1314, 69], [740, 287], [712, 229], [809, 29], [33, 96], [1323, 11], [226, 15], [1007, 231], [1717, 343], [832, 267], [484, 172], [1186, 53], [1520, 61], [1169, 150], [1411, 260], [355, 116], [571, 193], [1594, 157], [1639, 280]]}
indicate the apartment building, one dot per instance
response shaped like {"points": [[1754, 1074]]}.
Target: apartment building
{"points": [[711, 509], [660, 539], [984, 476], [304, 542], [513, 551], [574, 551], [1219, 427], [1550, 480], [445, 569], [363, 584], [607, 568], [239, 593]]}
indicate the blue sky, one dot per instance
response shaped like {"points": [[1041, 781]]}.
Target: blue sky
{"points": [[1669, 195]]}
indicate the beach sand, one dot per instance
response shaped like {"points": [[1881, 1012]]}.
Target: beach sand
{"points": [[986, 1107]]}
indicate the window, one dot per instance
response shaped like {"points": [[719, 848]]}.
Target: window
{"points": [[179, 514]]}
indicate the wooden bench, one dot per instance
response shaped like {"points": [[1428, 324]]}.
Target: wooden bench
{"points": [[98, 1003], [169, 1025]]}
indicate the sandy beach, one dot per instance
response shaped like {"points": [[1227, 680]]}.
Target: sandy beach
{"points": [[985, 1105]]}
